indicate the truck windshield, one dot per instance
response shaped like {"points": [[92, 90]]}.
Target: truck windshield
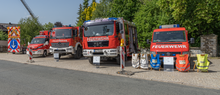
{"points": [[169, 36], [61, 34], [99, 30], [38, 41]]}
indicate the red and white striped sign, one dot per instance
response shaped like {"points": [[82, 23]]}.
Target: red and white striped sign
{"points": [[122, 58], [13, 39], [30, 54]]}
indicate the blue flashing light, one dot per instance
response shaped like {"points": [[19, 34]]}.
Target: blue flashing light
{"points": [[55, 26], [70, 25], [169, 26], [113, 18], [87, 21], [174, 54], [163, 54], [160, 27]]}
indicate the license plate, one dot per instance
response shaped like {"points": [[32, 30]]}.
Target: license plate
{"points": [[97, 50], [56, 55]]}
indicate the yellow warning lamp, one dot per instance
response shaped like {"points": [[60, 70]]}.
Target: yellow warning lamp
{"points": [[122, 42]]}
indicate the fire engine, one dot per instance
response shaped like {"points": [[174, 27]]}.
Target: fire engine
{"points": [[169, 40], [102, 38], [40, 44], [66, 40]]}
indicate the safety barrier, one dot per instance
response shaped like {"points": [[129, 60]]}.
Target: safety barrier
{"points": [[30, 55]]}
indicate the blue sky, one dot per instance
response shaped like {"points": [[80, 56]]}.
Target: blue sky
{"points": [[64, 11]]}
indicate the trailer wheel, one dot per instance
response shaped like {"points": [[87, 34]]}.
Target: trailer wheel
{"points": [[45, 53], [78, 53], [90, 60], [13, 52]]}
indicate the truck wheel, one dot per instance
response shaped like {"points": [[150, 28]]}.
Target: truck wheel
{"points": [[59, 56], [13, 52], [45, 53], [90, 60], [78, 53], [118, 59]]}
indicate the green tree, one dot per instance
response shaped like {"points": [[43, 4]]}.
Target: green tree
{"points": [[124, 8], [92, 2], [48, 26], [199, 17], [29, 28], [85, 6], [80, 15], [148, 18], [3, 35], [102, 9]]}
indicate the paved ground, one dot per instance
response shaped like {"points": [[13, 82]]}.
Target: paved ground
{"points": [[27, 79], [193, 78]]}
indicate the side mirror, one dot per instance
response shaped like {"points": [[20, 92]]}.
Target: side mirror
{"points": [[121, 32], [148, 41], [192, 40], [46, 43], [28, 43]]}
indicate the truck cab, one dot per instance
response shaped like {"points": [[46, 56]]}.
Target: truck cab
{"points": [[66, 40], [102, 37], [39, 45], [169, 40]]}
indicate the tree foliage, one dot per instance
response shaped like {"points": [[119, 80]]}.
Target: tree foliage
{"points": [[124, 8], [3, 35], [48, 26], [102, 9], [199, 17], [79, 13], [29, 28], [87, 13]]}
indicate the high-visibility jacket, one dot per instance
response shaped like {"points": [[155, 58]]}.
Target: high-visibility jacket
{"points": [[155, 61], [182, 63], [202, 62]]}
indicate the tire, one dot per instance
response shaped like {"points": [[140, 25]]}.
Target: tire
{"points": [[23, 51], [91, 60], [118, 59], [45, 53], [59, 56], [13, 52], [78, 53]]}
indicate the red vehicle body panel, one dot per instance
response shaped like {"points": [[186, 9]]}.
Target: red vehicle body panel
{"points": [[170, 46]]}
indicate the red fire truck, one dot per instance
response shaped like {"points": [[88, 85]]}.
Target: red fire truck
{"points": [[102, 38], [169, 40], [66, 40], [40, 44]]}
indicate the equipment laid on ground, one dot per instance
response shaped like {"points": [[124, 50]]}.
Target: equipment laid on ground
{"points": [[202, 62], [102, 38], [66, 40], [168, 64], [182, 62], [135, 60], [155, 61], [143, 61]]}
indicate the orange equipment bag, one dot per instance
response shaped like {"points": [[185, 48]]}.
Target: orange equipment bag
{"points": [[182, 62]]}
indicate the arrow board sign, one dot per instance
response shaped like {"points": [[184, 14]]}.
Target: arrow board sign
{"points": [[14, 44]]}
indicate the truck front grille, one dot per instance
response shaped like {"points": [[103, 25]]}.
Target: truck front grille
{"points": [[168, 53], [60, 45], [98, 44]]}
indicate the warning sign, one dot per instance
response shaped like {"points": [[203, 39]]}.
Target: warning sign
{"points": [[13, 39]]}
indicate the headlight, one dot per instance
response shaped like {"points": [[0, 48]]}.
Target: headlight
{"points": [[152, 52], [185, 52], [40, 46]]}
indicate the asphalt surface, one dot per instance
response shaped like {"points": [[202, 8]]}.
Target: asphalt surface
{"points": [[26, 79]]}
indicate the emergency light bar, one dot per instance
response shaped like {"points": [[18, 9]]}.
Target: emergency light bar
{"points": [[169, 26], [101, 20]]}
